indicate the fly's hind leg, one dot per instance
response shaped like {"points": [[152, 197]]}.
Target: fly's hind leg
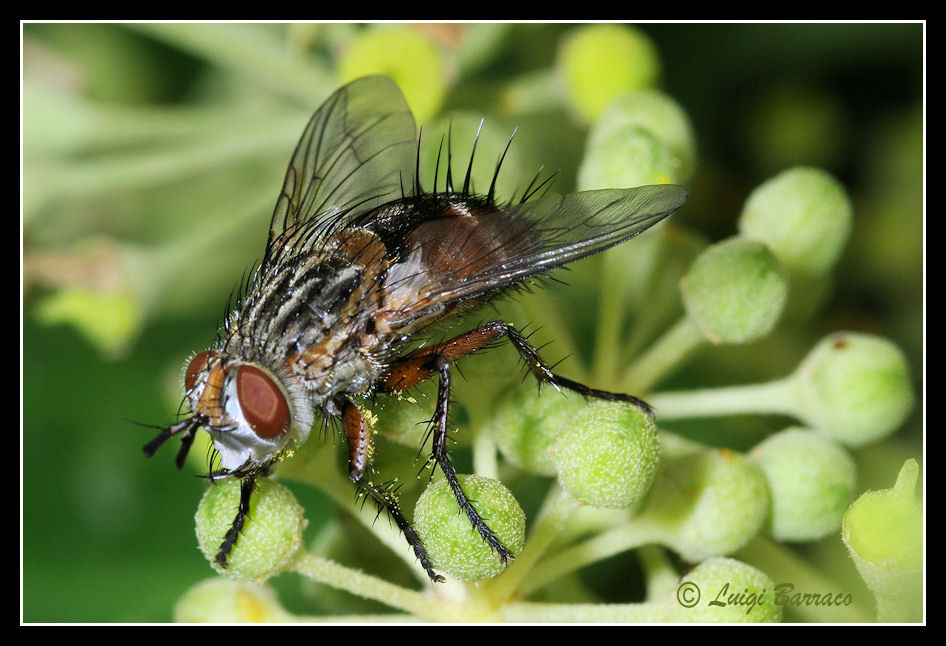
{"points": [[425, 362], [358, 437]]}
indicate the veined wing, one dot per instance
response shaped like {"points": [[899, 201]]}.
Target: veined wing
{"points": [[356, 152], [464, 254]]}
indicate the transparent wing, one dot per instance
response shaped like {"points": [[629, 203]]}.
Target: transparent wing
{"points": [[356, 152], [466, 256], [558, 229]]}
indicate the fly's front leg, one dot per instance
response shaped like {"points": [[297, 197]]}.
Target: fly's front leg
{"points": [[358, 436], [246, 491]]}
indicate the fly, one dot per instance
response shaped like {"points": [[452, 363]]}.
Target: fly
{"points": [[355, 265]]}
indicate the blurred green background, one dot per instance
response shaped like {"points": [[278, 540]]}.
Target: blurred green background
{"points": [[152, 156]]}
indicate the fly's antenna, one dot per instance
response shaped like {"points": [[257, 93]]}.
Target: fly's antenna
{"points": [[469, 168], [492, 184]]}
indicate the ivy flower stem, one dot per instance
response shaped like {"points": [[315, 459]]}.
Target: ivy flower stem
{"points": [[774, 397], [582, 612], [659, 572], [371, 587], [612, 304], [663, 356], [602, 546]]}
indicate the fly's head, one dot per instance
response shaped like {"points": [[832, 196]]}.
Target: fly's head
{"points": [[248, 410]]}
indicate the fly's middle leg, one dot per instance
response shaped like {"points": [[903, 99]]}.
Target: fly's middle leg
{"points": [[358, 437], [423, 363]]}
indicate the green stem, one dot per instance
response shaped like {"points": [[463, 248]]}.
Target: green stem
{"points": [[582, 612], [594, 549], [663, 356], [371, 587], [662, 578], [612, 305], [774, 397], [484, 453]]}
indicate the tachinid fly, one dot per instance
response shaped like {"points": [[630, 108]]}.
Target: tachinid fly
{"points": [[358, 260]]}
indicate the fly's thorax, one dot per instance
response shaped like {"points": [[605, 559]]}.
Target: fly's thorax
{"points": [[252, 413], [314, 311]]}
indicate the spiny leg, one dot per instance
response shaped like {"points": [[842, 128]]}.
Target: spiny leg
{"points": [[423, 363], [246, 491], [359, 442], [450, 475], [411, 370]]}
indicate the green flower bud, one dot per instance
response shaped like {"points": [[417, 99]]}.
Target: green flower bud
{"points": [[721, 590], [883, 531], [707, 503], [803, 215], [271, 536], [854, 387], [659, 115], [226, 601], [631, 156], [607, 455], [811, 481], [405, 55], [452, 542], [735, 291], [599, 62], [527, 421]]}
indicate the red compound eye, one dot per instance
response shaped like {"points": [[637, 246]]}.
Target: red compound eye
{"points": [[263, 404], [197, 364]]}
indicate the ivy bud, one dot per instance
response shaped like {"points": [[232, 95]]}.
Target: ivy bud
{"points": [[735, 291], [707, 503], [452, 542], [405, 55], [526, 423], [659, 115], [721, 590], [271, 536], [631, 156], [221, 600], [811, 482], [598, 62], [804, 215], [854, 387], [607, 455], [883, 530]]}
